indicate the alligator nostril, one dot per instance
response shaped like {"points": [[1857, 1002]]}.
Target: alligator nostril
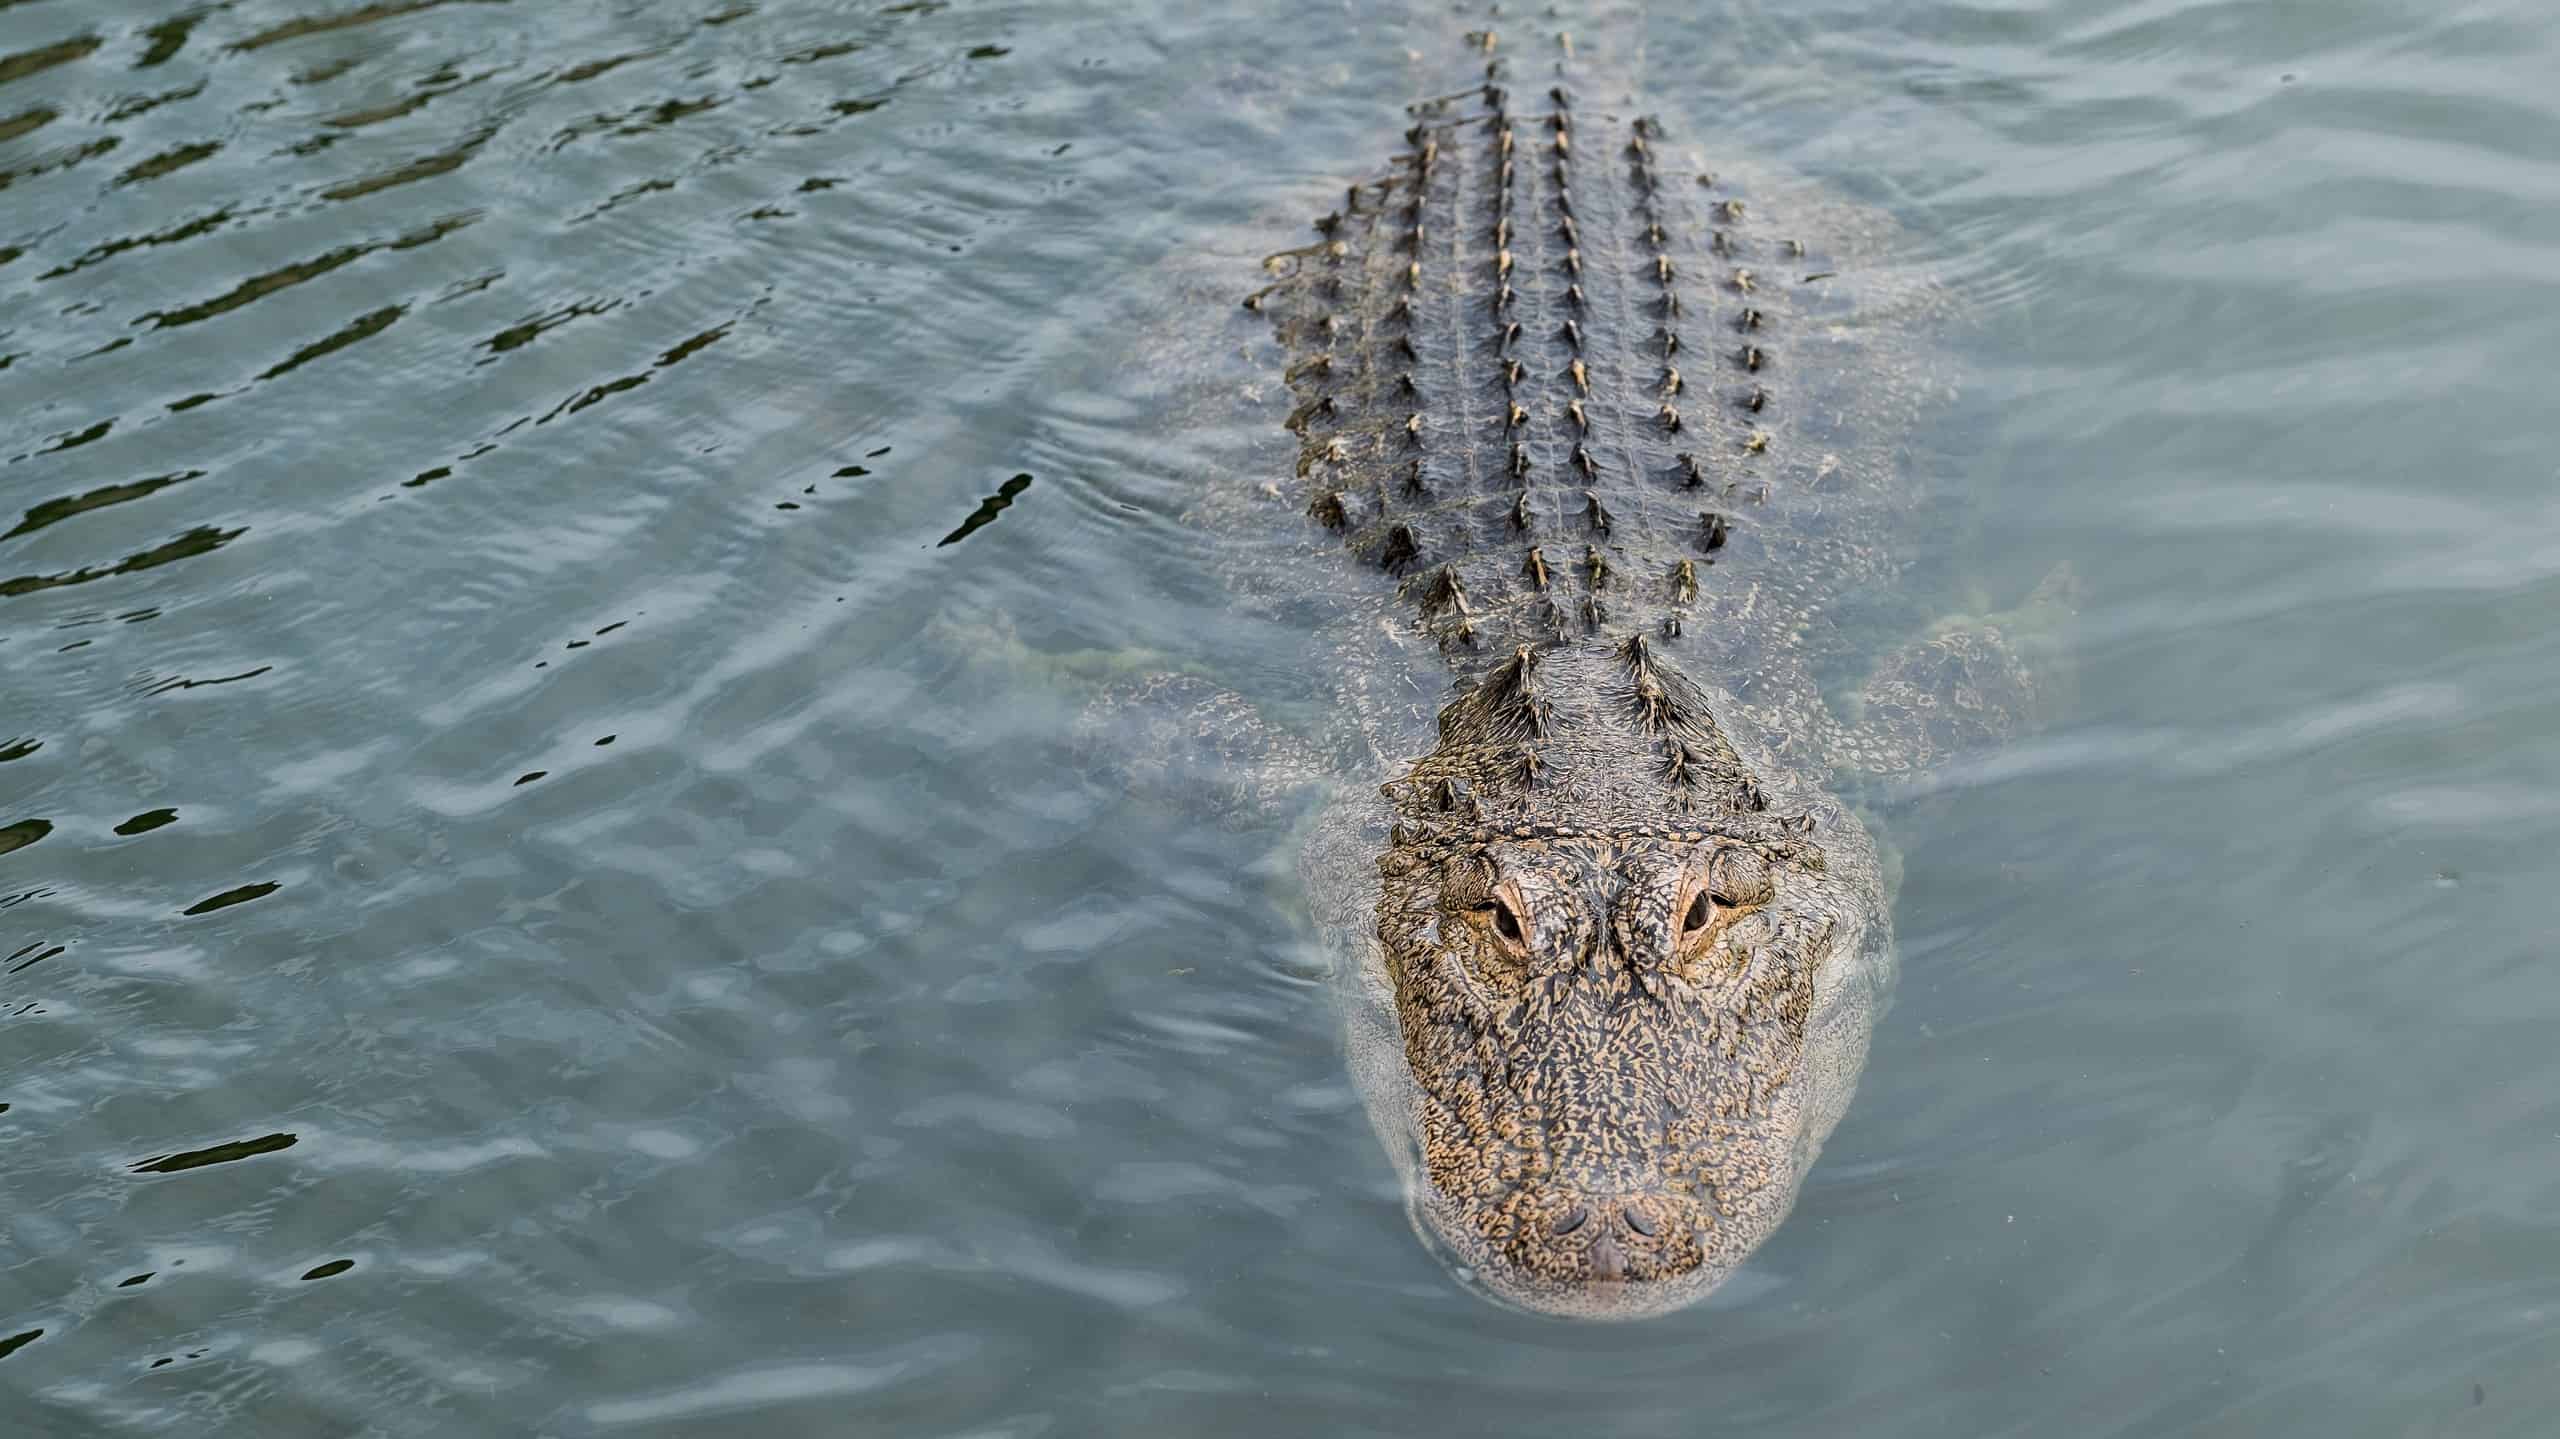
{"points": [[1569, 1221], [1640, 1222]]}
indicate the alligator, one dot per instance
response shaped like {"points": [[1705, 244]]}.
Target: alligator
{"points": [[1603, 439]]}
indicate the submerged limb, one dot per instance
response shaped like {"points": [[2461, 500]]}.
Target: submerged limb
{"points": [[1181, 742], [1969, 681], [993, 639]]}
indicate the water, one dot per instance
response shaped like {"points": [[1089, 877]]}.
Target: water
{"points": [[482, 468]]}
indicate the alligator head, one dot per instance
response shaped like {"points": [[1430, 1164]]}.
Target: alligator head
{"points": [[1630, 997]]}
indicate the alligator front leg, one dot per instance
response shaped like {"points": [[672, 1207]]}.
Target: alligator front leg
{"points": [[1968, 682], [1183, 742], [1146, 724]]}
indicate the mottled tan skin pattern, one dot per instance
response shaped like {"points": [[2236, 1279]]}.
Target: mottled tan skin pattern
{"points": [[1632, 996], [1610, 949]]}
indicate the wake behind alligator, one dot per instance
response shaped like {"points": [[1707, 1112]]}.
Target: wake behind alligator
{"points": [[1601, 438]]}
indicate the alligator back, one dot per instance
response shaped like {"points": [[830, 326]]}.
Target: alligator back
{"points": [[1555, 378]]}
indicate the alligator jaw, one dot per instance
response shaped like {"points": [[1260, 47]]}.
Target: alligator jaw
{"points": [[1605, 1151]]}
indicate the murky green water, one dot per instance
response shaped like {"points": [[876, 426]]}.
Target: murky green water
{"points": [[535, 904]]}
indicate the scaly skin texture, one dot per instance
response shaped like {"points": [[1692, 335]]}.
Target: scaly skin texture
{"points": [[1622, 982], [1601, 449]]}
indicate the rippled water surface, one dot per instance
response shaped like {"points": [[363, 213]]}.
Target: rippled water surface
{"points": [[539, 895]]}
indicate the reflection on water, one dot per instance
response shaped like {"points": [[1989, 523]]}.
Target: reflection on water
{"points": [[541, 890]]}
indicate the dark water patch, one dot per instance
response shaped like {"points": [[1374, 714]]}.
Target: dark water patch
{"points": [[733, 13], [689, 348], [394, 109], [133, 105], [147, 821], [592, 68], [526, 331], [239, 895], [597, 393], [169, 37], [992, 506], [203, 539], [990, 52], [328, 70], [27, 122], [107, 250], [25, 832], [258, 287], [138, 1279], [310, 25], [330, 1270], [640, 120], [55, 511], [828, 51], [59, 160], [18, 749], [623, 197], [594, 394], [425, 167], [149, 687], [16, 1342], [74, 439], [472, 286], [376, 114], [231, 1153], [355, 331], [669, 112], [168, 162], [35, 62], [29, 956], [531, 775]]}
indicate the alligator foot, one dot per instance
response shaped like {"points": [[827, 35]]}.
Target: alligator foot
{"points": [[1969, 681], [1147, 724], [1184, 743], [994, 639]]}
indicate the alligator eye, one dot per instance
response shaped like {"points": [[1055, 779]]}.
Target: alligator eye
{"points": [[1701, 910]]}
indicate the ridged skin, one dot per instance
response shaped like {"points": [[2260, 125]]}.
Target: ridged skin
{"points": [[1511, 363], [1613, 951]]}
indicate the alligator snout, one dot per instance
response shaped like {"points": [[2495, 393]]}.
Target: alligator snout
{"points": [[1620, 1236]]}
